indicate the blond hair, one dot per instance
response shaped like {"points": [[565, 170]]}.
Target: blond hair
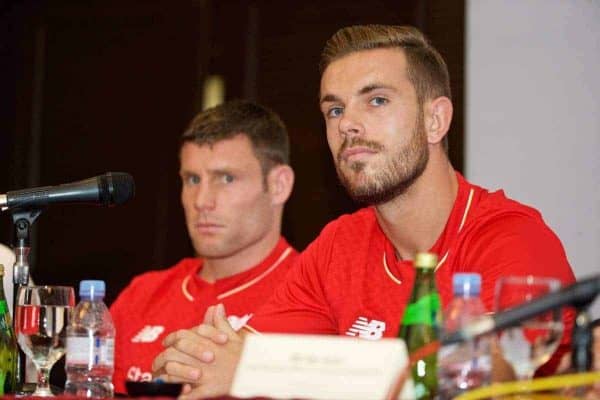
{"points": [[426, 69]]}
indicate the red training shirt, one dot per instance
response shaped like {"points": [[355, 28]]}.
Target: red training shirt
{"points": [[349, 281], [159, 302]]}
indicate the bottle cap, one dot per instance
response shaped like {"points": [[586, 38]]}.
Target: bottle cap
{"points": [[466, 284], [92, 289], [426, 260]]}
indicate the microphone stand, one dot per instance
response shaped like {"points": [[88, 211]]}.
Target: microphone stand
{"points": [[582, 341], [22, 223]]}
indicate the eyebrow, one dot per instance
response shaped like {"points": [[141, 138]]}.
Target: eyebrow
{"points": [[185, 172], [374, 86], [331, 98], [223, 171], [214, 173]]}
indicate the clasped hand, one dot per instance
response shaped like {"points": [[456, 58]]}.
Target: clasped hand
{"points": [[203, 358]]}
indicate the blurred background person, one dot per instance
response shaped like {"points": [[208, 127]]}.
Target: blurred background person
{"points": [[236, 178]]}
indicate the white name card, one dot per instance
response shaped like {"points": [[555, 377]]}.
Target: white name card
{"points": [[319, 367]]}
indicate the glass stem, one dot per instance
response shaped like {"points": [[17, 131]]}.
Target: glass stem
{"points": [[527, 376], [43, 380], [525, 379]]}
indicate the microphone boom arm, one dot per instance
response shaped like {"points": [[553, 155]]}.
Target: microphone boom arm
{"points": [[23, 221], [579, 295]]}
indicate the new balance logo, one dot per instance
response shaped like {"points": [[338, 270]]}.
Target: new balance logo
{"points": [[365, 329], [148, 334], [135, 374], [238, 323]]}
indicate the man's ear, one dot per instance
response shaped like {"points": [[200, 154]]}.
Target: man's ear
{"points": [[280, 182], [438, 116]]}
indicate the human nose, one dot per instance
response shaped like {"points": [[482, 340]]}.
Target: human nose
{"points": [[205, 197], [350, 124]]}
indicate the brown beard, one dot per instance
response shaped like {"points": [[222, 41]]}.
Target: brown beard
{"points": [[395, 177]]}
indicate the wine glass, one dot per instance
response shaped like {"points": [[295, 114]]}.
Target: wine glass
{"points": [[530, 344], [42, 317]]}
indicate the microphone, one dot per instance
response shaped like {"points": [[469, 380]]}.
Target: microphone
{"points": [[579, 294], [109, 189]]}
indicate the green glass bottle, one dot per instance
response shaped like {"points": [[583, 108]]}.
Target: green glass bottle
{"points": [[8, 344], [420, 325]]}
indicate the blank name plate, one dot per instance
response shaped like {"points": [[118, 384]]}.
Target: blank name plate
{"points": [[319, 367]]}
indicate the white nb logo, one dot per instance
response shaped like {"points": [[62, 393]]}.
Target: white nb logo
{"points": [[365, 329], [135, 374], [238, 323], [148, 334]]}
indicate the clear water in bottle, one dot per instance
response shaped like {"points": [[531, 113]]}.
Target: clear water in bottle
{"points": [[90, 345], [466, 365]]}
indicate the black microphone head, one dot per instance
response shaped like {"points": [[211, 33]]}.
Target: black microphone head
{"points": [[116, 188]]}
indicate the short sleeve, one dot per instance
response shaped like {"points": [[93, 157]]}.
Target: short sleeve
{"points": [[514, 245], [519, 245]]}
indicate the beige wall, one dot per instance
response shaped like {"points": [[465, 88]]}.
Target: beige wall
{"points": [[533, 113]]}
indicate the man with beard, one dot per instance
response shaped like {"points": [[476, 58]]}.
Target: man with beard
{"points": [[236, 178], [385, 96]]}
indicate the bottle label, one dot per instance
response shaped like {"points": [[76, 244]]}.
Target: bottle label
{"points": [[5, 322], [90, 351], [423, 311], [5, 325]]}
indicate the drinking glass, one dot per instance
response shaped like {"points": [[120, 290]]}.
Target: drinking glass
{"points": [[42, 317], [530, 344]]}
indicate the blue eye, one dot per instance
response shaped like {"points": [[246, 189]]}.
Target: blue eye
{"points": [[378, 101], [334, 112]]}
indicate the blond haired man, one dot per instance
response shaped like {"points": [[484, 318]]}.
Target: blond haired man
{"points": [[385, 97]]}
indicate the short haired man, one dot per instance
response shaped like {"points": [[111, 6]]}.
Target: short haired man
{"points": [[385, 97], [236, 178]]}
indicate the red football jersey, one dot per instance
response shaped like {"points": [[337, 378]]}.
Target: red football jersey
{"points": [[349, 281], [159, 302]]}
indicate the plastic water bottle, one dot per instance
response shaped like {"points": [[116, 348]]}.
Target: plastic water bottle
{"points": [[465, 365], [90, 344]]}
